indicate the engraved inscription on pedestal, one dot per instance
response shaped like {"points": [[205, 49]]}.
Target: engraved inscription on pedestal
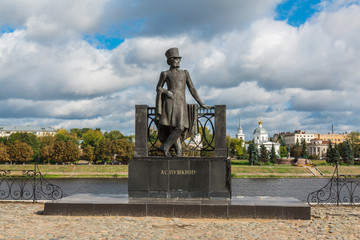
{"points": [[178, 172], [179, 177]]}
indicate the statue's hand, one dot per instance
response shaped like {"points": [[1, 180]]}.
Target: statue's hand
{"points": [[169, 94]]}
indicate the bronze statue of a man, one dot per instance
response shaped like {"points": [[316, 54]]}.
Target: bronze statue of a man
{"points": [[174, 116]]}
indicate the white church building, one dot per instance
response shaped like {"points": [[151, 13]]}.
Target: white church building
{"points": [[240, 134], [261, 136]]}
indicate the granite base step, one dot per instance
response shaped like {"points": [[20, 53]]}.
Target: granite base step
{"points": [[122, 205]]}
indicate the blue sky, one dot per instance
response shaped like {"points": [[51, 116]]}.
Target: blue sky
{"points": [[104, 41], [296, 12], [86, 63]]}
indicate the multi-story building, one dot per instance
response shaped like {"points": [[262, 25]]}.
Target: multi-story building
{"points": [[296, 137], [318, 147], [6, 131], [333, 137]]}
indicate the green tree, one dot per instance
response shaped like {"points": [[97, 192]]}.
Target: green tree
{"points": [[347, 156], [64, 135], [356, 150], [354, 141], [79, 132], [264, 154], [253, 153], [304, 153], [341, 147], [128, 153], [117, 148], [46, 140], [283, 152], [4, 156], [88, 153], [122, 150], [65, 151], [314, 157], [92, 138], [114, 135], [295, 151], [72, 153], [336, 155], [131, 138], [3, 140], [47, 152], [245, 154], [235, 147], [20, 152], [329, 153], [47, 148], [273, 155], [353, 138], [59, 151], [103, 152], [332, 154], [28, 138]]}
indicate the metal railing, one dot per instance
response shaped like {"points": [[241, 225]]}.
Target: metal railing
{"points": [[340, 190], [211, 124], [204, 141], [27, 185]]}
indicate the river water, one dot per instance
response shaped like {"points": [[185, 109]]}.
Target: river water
{"points": [[275, 187]]}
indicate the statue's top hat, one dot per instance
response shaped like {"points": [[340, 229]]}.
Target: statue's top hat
{"points": [[172, 53]]}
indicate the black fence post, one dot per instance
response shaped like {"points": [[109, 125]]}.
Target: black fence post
{"points": [[141, 131], [220, 131], [34, 183]]}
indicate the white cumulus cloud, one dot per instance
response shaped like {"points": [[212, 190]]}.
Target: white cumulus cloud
{"points": [[304, 77]]}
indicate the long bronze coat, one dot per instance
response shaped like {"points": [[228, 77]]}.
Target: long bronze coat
{"points": [[174, 112]]}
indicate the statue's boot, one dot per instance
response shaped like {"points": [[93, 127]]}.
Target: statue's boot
{"points": [[170, 140], [178, 148]]}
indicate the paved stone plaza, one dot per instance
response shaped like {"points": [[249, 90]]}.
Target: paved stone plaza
{"points": [[24, 221]]}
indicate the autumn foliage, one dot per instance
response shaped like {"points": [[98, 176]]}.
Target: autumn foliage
{"points": [[68, 147]]}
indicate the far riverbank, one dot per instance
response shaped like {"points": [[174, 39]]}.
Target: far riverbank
{"points": [[239, 170]]}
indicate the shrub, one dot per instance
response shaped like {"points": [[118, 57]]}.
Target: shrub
{"points": [[314, 157]]}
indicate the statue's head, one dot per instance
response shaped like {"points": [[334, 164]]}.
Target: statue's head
{"points": [[173, 57]]}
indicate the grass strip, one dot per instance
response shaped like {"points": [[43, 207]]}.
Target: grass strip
{"points": [[50, 176], [271, 176]]}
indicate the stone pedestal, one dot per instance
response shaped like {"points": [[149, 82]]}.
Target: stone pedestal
{"points": [[121, 205], [179, 177]]}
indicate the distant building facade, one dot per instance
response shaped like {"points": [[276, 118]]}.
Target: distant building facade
{"points": [[296, 137], [333, 137], [6, 131], [318, 147]]}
